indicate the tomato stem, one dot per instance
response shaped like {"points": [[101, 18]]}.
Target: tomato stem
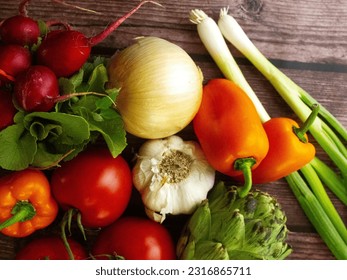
{"points": [[300, 131], [66, 221], [80, 225], [22, 211], [245, 165]]}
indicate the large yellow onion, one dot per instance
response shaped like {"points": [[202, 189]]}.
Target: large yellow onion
{"points": [[160, 87]]}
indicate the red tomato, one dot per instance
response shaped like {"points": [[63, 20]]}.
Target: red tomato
{"points": [[135, 239], [96, 184], [51, 248]]}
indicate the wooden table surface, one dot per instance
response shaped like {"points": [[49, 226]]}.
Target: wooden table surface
{"points": [[307, 40]]}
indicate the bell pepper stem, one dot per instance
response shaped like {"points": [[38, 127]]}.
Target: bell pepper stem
{"points": [[21, 212], [245, 165], [301, 131]]}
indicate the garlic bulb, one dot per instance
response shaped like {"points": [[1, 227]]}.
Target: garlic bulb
{"points": [[172, 175], [160, 87]]}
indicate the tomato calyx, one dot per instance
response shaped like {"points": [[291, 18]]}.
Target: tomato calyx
{"points": [[66, 223]]}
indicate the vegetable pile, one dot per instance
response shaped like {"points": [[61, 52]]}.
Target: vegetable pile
{"points": [[60, 103], [306, 181], [65, 120]]}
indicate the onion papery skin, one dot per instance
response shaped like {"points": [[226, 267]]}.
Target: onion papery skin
{"points": [[160, 87]]}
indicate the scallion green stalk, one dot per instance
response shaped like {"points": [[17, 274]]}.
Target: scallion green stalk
{"points": [[318, 189], [336, 184], [317, 216], [296, 97], [316, 205]]}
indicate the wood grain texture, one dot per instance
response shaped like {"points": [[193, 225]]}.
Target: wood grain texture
{"points": [[307, 40]]}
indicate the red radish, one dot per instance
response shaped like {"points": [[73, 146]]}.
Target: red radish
{"points": [[66, 51], [7, 109], [36, 89], [19, 30], [13, 60]]}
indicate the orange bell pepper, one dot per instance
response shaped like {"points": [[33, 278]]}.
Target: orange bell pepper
{"points": [[26, 203], [230, 131], [288, 151]]}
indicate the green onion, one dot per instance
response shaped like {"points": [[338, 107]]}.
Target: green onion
{"points": [[319, 191], [219, 51], [317, 216], [313, 198], [297, 98], [330, 178]]}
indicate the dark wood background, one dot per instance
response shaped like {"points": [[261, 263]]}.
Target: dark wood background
{"points": [[306, 39]]}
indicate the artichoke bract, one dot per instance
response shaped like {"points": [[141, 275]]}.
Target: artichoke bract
{"points": [[228, 227]]}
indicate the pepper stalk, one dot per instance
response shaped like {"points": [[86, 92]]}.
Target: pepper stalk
{"points": [[320, 211], [21, 212]]}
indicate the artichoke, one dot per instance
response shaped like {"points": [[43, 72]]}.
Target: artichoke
{"points": [[228, 227]]}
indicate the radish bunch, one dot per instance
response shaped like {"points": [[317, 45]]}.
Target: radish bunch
{"points": [[30, 75]]}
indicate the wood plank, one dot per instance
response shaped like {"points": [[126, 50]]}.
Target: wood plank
{"points": [[308, 246], [299, 31]]}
